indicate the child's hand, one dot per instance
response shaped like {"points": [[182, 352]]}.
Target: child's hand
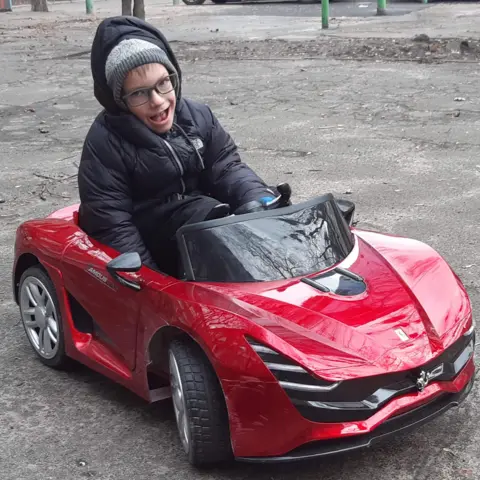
{"points": [[250, 207]]}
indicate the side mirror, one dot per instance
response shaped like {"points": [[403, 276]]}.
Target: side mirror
{"points": [[126, 262]]}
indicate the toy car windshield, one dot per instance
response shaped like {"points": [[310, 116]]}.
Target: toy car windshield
{"points": [[266, 246]]}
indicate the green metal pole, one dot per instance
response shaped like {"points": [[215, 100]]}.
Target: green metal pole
{"points": [[381, 7], [89, 6], [325, 13]]}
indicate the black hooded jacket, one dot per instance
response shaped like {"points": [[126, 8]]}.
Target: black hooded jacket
{"points": [[128, 174]]}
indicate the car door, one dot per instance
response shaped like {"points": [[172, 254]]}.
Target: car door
{"points": [[101, 303]]}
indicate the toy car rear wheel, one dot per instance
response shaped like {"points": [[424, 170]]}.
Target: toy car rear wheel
{"points": [[41, 318], [199, 405]]}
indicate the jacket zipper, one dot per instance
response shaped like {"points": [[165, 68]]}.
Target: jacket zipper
{"points": [[179, 164]]}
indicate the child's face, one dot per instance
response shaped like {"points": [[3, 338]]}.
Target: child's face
{"points": [[154, 109]]}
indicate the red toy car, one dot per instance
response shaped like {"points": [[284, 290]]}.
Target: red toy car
{"points": [[291, 335]]}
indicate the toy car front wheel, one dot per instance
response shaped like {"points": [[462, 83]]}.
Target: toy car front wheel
{"points": [[41, 317], [199, 405]]}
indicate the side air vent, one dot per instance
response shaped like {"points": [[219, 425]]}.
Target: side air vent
{"points": [[290, 376]]}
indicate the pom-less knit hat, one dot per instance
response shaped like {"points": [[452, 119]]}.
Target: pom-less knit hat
{"points": [[126, 56]]}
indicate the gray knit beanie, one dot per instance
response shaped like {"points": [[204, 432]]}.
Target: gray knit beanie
{"points": [[126, 56]]}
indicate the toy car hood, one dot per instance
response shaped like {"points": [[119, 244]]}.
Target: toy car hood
{"points": [[393, 304]]}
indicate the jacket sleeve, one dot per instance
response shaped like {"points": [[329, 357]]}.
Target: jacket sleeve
{"points": [[227, 177], [105, 198]]}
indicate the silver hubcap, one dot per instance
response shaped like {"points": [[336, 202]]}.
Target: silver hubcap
{"points": [[179, 403], [39, 317]]}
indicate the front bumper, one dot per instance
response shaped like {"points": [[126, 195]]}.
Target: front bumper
{"points": [[397, 424], [266, 424]]}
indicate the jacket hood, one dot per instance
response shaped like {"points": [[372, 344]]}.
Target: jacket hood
{"points": [[112, 31]]}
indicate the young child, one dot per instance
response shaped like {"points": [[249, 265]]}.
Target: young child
{"points": [[153, 160]]}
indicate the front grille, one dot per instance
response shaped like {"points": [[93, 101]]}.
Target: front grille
{"points": [[354, 400]]}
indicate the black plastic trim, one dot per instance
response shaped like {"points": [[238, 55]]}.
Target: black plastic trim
{"points": [[82, 320], [314, 284], [394, 425], [348, 273]]}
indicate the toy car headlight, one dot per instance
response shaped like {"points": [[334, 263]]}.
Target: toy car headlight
{"points": [[471, 333], [471, 330]]}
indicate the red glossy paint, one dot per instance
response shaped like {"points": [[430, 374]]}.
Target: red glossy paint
{"points": [[337, 338]]}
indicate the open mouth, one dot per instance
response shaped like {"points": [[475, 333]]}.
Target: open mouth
{"points": [[161, 117]]}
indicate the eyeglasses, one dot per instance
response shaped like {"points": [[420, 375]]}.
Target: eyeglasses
{"points": [[144, 95]]}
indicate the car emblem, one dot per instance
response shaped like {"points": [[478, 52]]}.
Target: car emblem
{"points": [[401, 334], [424, 378], [422, 381]]}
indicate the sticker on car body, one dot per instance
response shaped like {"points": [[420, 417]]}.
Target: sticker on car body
{"points": [[100, 277]]}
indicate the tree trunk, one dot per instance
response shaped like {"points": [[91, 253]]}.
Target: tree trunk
{"points": [[139, 9], [127, 7], [39, 5]]}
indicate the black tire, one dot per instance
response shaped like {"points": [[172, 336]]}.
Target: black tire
{"points": [[219, 1], [60, 360], [206, 411], [193, 2]]}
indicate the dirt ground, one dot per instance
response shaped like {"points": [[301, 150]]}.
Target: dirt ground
{"points": [[390, 123], [421, 49]]}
